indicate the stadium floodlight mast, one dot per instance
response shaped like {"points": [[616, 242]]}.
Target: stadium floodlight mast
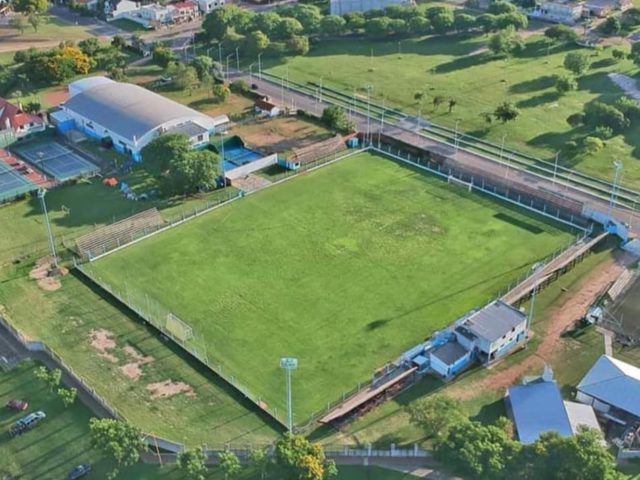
{"points": [[52, 246], [369, 87], [260, 65], [537, 268], [289, 364], [617, 164]]}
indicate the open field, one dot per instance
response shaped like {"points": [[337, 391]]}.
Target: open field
{"points": [[50, 33], [344, 268], [457, 67], [122, 359]]}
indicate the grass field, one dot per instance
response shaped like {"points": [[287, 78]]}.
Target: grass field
{"points": [[458, 67], [344, 268]]}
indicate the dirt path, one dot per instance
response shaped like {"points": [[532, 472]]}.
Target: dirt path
{"points": [[562, 316]]}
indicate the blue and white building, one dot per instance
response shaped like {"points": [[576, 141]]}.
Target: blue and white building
{"points": [[131, 116]]}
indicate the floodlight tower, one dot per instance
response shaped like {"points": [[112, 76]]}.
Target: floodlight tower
{"points": [[52, 245], [289, 364], [537, 268], [617, 164]]}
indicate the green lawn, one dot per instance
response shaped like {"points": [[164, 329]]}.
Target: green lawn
{"points": [[456, 67], [344, 268], [51, 28], [65, 320], [60, 442]]}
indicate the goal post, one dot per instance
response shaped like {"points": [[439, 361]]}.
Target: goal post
{"points": [[179, 329], [460, 183]]}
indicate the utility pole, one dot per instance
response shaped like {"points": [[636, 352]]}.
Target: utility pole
{"points": [[52, 246], [537, 268], [381, 121], [238, 59], [289, 364], [260, 65], [369, 87], [555, 168]]}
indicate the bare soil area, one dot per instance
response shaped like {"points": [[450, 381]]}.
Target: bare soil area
{"points": [[280, 134], [133, 370], [169, 388], [102, 341], [45, 277]]}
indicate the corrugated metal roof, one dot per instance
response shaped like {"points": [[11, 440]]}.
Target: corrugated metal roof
{"points": [[87, 83], [581, 415], [494, 320], [614, 382], [129, 110], [538, 408], [449, 353]]}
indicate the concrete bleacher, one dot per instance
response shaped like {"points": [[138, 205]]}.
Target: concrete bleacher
{"points": [[119, 233]]}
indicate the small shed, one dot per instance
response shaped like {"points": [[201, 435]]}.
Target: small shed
{"points": [[449, 359], [62, 121], [266, 108]]}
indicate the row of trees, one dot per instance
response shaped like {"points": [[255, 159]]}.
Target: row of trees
{"points": [[490, 452], [53, 378], [183, 170]]}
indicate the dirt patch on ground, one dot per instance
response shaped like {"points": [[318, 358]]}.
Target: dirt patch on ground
{"points": [[562, 317], [133, 370], [169, 388], [280, 134], [102, 341], [45, 277], [56, 97]]}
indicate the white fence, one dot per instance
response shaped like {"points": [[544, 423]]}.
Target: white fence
{"points": [[252, 167]]}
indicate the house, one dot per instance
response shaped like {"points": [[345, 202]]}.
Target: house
{"points": [[154, 14], [493, 332], [115, 9], [537, 407], [131, 116], [16, 122], [603, 8], [207, 6], [558, 11], [449, 359], [266, 108], [185, 12], [342, 7], [612, 387]]}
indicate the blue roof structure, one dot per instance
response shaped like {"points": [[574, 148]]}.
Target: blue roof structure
{"points": [[538, 408]]}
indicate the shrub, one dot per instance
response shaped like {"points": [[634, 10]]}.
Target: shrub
{"points": [[591, 145], [240, 86], [603, 132], [565, 84], [576, 119]]}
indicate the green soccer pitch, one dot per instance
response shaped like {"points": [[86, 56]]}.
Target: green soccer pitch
{"points": [[344, 268]]}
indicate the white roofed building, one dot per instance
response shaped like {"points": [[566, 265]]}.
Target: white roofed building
{"points": [[131, 116]]}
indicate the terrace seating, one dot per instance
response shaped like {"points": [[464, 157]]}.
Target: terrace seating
{"points": [[119, 233]]}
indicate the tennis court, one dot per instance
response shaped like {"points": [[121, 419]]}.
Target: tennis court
{"points": [[12, 184], [57, 161]]}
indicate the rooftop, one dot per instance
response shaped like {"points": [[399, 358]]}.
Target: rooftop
{"points": [[449, 353], [12, 116], [189, 129], [614, 382], [494, 321]]}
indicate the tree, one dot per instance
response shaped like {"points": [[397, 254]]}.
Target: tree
{"points": [[33, 108], [287, 28], [330, 470], [477, 450], [419, 96], [309, 16], [464, 22], [112, 58], [500, 7], [611, 26], [505, 42], [267, 22], [216, 23], [577, 62], [259, 460], [192, 463], [184, 77], [297, 458], [599, 113], [68, 396], [163, 56], [117, 41], [506, 112], [239, 86], [631, 17], [487, 117], [635, 53], [561, 33], [51, 377], [34, 20], [437, 101], [160, 152], [441, 18], [89, 46], [335, 118], [516, 20], [629, 107], [452, 103], [565, 84], [487, 22], [30, 6], [298, 45], [229, 464], [220, 92], [18, 22], [332, 25], [203, 65], [355, 20], [120, 440], [418, 25], [576, 119], [378, 27], [398, 26], [435, 415]]}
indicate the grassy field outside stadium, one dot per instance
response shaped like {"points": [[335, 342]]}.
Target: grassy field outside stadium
{"points": [[344, 268], [459, 67]]}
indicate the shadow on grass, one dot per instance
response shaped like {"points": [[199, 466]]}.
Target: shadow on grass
{"points": [[538, 100], [528, 86], [529, 227], [462, 63], [490, 412]]}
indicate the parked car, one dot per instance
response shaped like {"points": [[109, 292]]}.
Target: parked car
{"points": [[17, 405], [79, 471], [27, 423]]}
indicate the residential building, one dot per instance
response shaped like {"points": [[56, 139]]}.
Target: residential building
{"points": [[131, 116], [185, 12], [267, 108], [17, 123], [115, 9], [558, 11], [612, 387], [537, 407], [603, 8], [493, 332], [342, 7], [449, 359], [207, 6]]}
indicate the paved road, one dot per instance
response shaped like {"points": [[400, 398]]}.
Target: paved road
{"points": [[297, 100], [95, 26]]}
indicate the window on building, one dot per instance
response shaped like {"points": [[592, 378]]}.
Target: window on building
{"points": [[200, 138]]}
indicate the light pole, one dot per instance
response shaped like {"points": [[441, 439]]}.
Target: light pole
{"points": [[617, 164], [220, 58], [289, 364], [52, 246], [381, 122], [537, 268], [369, 87], [260, 65], [455, 140], [251, 71], [238, 59], [320, 93], [555, 168], [224, 178], [226, 78]]}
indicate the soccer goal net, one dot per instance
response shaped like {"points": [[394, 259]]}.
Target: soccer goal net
{"points": [[460, 183], [178, 328]]}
